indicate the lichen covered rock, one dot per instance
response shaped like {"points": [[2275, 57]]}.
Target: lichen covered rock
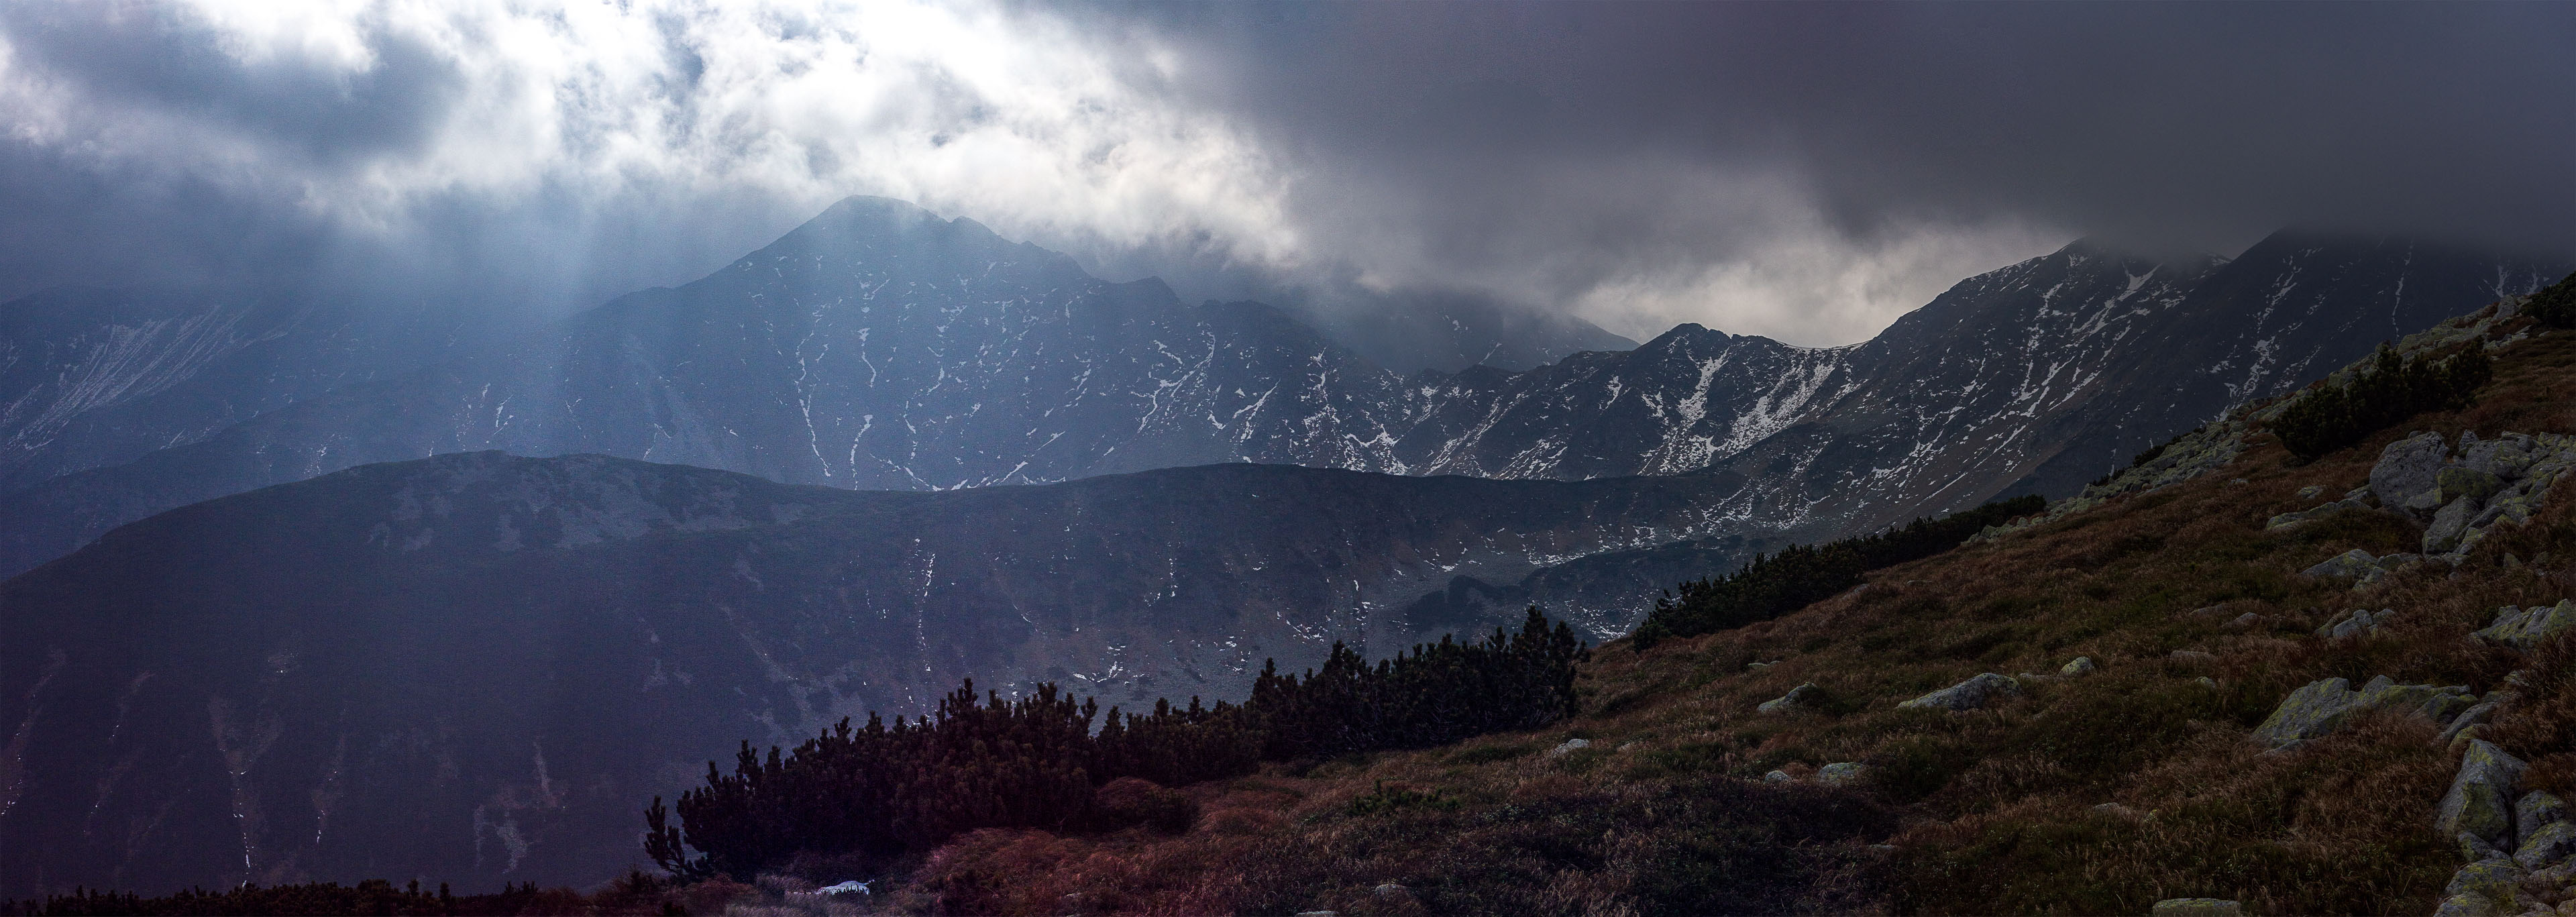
{"points": [[1806, 698], [2322, 707], [2537, 808], [2524, 628], [2357, 622], [2449, 522], [2481, 798], [2457, 482], [2347, 565], [2549, 846], [2484, 888]]}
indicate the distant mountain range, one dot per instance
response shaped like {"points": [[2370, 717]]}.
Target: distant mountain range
{"points": [[881, 347], [286, 605]]}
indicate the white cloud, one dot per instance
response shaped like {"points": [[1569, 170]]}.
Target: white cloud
{"points": [[1809, 285], [1012, 117], [560, 151]]}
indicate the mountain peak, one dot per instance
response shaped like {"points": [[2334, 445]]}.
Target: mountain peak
{"points": [[859, 221]]}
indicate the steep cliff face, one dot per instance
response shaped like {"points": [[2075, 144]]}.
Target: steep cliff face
{"points": [[473, 667]]}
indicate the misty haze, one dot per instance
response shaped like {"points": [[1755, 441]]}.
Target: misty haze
{"points": [[1027, 457]]}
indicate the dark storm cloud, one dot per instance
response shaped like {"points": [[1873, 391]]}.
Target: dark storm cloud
{"points": [[1802, 170], [2197, 120], [1608, 140]]}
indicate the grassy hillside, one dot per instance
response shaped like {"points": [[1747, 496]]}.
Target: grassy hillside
{"points": [[2100, 793]]}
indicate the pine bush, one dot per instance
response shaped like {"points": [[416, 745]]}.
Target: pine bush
{"points": [[1777, 584], [2389, 390], [1035, 762], [2555, 306]]}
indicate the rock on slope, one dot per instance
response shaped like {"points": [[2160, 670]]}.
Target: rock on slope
{"points": [[474, 667]]}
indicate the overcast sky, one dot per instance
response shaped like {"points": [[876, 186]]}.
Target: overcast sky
{"points": [[1805, 171]]}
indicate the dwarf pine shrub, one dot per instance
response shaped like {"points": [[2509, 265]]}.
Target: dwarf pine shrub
{"points": [[1036, 762], [1777, 584], [2390, 389], [2555, 306]]}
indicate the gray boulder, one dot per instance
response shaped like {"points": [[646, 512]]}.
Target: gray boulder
{"points": [[1777, 777], [1841, 772], [1971, 694], [2408, 467], [2506, 456], [2477, 713], [2524, 628], [2357, 622], [2457, 482], [2449, 523], [2537, 808], [2549, 846], [2475, 849], [2080, 666], [2483, 889], [2511, 506], [2322, 707], [1806, 698], [2481, 798], [2347, 565]]}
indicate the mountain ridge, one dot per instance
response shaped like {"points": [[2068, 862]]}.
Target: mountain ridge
{"points": [[881, 346], [472, 665]]}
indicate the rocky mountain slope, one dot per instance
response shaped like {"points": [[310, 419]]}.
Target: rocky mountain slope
{"points": [[92, 378], [2177, 694], [882, 347], [474, 667], [1411, 331]]}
